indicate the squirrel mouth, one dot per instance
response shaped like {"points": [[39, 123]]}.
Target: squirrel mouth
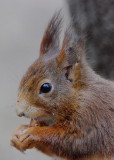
{"points": [[35, 122], [42, 120]]}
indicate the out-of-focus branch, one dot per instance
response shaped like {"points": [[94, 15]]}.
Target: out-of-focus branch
{"points": [[96, 18]]}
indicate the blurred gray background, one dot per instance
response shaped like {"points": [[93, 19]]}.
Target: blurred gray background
{"points": [[22, 23]]}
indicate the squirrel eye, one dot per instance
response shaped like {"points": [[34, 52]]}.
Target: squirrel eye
{"points": [[45, 88]]}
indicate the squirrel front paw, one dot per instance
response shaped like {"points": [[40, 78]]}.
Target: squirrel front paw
{"points": [[24, 138]]}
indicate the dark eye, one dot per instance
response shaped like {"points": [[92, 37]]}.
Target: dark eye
{"points": [[45, 88]]}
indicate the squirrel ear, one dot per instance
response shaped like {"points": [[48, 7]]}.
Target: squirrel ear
{"points": [[51, 36], [72, 48]]}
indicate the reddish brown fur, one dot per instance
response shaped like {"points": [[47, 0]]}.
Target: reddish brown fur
{"points": [[81, 104]]}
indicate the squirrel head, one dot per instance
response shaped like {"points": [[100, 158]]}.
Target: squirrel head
{"points": [[52, 82]]}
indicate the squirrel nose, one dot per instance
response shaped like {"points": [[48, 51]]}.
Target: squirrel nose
{"points": [[21, 114], [21, 108]]}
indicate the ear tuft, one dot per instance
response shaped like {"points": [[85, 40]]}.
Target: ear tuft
{"points": [[72, 48], [51, 36]]}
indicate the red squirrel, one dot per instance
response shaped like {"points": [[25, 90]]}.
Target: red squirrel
{"points": [[71, 107]]}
